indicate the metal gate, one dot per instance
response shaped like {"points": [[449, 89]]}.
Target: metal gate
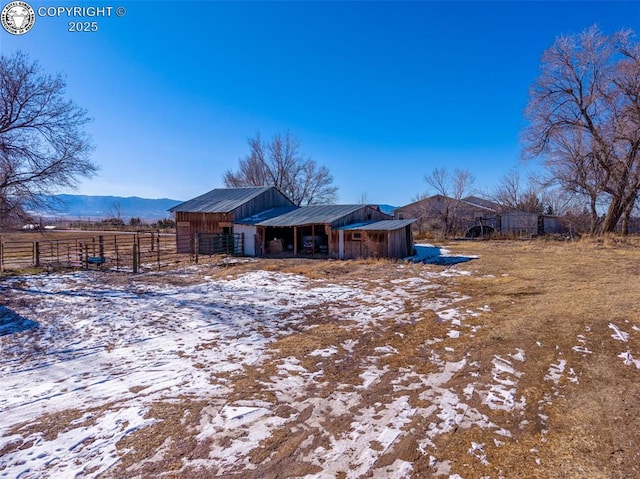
{"points": [[220, 243]]}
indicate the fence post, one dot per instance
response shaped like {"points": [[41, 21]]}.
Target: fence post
{"points": [[135, 257], [197, 246], [1, 256], [101, 246], [158, 247], [37, 253]]}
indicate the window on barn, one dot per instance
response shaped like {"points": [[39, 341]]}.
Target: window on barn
{"points": [[356, 236]]}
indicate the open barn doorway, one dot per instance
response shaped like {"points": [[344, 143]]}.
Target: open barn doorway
{"points": [[312, 240], [278, 239]]}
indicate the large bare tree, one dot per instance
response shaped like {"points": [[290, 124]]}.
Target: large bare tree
{"points": [[280, 163], [584, 120], [43, 145]]}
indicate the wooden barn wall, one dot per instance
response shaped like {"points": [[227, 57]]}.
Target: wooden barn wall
{"points": [[189, 224], [398, 243], [373, 244], [204, 222], [333, 243]]}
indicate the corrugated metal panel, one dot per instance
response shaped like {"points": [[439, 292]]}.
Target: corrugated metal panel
{"points": [[220, 200], [384, 225], [519, 222], [314, 214], [481, 202], [266, 215]]}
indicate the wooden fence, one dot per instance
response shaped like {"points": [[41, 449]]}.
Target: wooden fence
{"points": [[132, 252]]}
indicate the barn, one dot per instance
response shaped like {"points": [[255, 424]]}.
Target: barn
{"points": [[324, 230], [262, 221], [452, 215], [208, 219]]}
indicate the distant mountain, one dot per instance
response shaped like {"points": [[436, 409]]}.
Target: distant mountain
{"points": [[98, 207]]}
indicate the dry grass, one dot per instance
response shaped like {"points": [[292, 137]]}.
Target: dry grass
{"points": [[544, 297], [550, 293]]}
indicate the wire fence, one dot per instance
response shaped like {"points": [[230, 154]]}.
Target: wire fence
{"points": [[128, 252]]}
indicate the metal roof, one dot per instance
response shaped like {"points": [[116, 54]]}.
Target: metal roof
{"points": [[488, 204], [383, 225], [266, 215], [220, 200], [313, 214], [473, 201]]}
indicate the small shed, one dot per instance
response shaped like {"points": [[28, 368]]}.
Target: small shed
{"points": [[313, 229], [216, 211], [530, 224], [378, 239]]}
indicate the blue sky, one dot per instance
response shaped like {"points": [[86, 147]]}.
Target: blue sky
{"points": [[381, 93]]}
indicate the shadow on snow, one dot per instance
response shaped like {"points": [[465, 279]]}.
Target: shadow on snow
{"points": [[429, 254], [11, 322]]}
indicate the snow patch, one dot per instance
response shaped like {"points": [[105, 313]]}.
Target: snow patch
{"points": [[618, 334]]}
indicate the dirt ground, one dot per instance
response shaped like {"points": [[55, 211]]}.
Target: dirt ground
{"points": [[552, 300], [546, 357]]}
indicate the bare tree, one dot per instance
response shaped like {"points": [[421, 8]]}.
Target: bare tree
{"points": [[280, 163], [43, 145], [509, 191], [116, 210], [453, 187], [584, 119], [513, 193]]}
